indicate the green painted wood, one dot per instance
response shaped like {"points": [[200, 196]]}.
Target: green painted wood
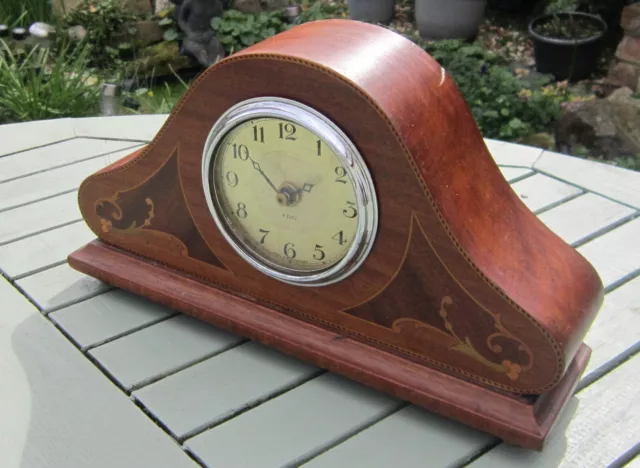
{"points": [[612, 182], [617, 326], [59, 287], [54, 182], [39, 217], [26, 135], [584, 217], [600, 425], [615, 255], [60, 154], [412, 437], [59, 410], [206, 394], [35, 253], [512, 174], [293, 427], [512, 154], [154, 352], [540, 192], [108, 316]]}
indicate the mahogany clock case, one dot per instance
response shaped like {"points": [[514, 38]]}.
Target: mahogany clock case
{"points": [[464, 288]]}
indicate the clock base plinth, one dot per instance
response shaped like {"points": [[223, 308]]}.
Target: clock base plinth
{"points": [[520, 421]]}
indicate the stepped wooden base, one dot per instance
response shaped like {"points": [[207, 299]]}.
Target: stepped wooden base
{"points": [[521, 421]]}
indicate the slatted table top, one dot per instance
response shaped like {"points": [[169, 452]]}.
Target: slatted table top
{"points": [[94, 376]]}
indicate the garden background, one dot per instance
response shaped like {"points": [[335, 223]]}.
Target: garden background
{"points": [[79, 58]]}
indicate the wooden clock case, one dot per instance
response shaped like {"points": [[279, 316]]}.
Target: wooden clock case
{"points": [[467, 304]]}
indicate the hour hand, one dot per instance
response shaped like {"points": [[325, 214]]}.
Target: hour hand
{"points": [[257, 167], [307, 187]]}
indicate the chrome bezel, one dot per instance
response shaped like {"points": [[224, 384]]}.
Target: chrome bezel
{"points": [[346, 151]]}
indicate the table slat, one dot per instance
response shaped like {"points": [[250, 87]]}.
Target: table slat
{"points": [[151, 353], [60, 154], [56, 181], [540, 192], [512, 174], [293, 427], [39, 217], [59, 287], [107, 316], [585, 217], [412, 437], [59, 410], [44, 250], [600, 425], [511, 154], [615, 255], [121, 127], [613, 182], [617, 326], [26, 135], [214, 390]]}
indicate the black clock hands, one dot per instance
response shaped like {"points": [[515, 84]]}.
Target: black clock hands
{"points": [[257, 167]]}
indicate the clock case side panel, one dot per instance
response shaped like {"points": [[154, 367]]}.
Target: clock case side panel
{"points": [[516, 253]]}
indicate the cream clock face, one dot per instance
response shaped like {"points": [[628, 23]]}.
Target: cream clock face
{"points": [[289, 192]]}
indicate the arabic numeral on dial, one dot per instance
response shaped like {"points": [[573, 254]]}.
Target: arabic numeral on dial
{"points": [[287, 131], [232, 178], [319, 147], [264, 235], [319, 254], [288, 250], [242, 210], [340, 238], [258, 134], [342, 174], [350, 211], [240, 151]]}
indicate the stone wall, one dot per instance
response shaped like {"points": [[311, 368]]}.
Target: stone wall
{"points": [[625, 69]]}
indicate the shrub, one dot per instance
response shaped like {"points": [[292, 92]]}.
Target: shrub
{"points": [[503, 106], [42, 86], [236, 30], [24, 12]]}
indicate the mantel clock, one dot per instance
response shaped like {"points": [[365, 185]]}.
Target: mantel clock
{"points": [[327, 193]]}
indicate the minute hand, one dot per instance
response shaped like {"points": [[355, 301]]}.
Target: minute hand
{"points": [[257, 167]]}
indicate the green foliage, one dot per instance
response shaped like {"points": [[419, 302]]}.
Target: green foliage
{"points": [[503, 106], [24, 12], [37, 85], [237, 30], [102, 19], [314, 11]]}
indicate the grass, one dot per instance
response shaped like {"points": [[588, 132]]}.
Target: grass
{"points": [[42, 85], [22, 13]]}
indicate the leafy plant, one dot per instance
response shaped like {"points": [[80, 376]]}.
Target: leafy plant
{"points": [[24, 12], [503, 106], [236, 30], [39, 85], [102, 19], [314, 11], [561, 24]]}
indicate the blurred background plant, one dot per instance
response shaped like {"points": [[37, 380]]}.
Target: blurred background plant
{"points": [[41, 85], [22, 13]]}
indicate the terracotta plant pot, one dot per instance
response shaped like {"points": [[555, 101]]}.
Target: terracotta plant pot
{"points": [[449, 19]]}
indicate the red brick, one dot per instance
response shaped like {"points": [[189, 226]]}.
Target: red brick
{"points": [[629, 49], [630, 20]]}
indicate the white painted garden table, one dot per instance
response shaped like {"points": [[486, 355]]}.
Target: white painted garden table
{"points": [[94, 377]]}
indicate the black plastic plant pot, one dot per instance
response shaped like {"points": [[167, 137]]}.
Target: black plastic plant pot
{"points": [[571, 59]]}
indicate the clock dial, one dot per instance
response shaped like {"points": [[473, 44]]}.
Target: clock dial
{"points": [[285, 195]]}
